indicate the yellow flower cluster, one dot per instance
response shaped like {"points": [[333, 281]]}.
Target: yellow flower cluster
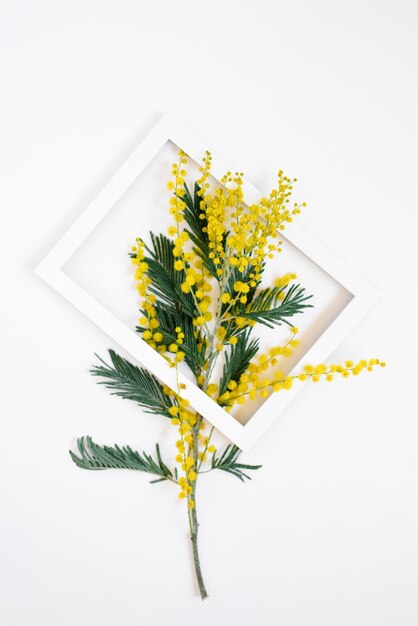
{"points": [[143, 281], [186, 420], [175, 348], [177, 186], [253, 228], [189, 457], [239, 237], [205, 172], [150, 322], [251, 385], [284, 280], [322, 371]]}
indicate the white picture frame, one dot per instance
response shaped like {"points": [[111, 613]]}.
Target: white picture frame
{"points": [[51, 270]]}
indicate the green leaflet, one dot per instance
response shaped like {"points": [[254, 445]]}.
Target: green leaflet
{"points": [[133, 383], [238, 359], [169, 319], [227, 462], [166, 281], [196, 225], [293, 303], [95, 457]]}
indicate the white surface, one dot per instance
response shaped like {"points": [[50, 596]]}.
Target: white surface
{"points": [[326, 533], [126, 205]]}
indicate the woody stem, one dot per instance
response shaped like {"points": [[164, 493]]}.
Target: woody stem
{"points": [[193, 517]]}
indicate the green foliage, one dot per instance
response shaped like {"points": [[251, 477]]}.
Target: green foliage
{"points": [[238, 359], [198, 228], [293, 303], [169, 319], [95, 457], [166, 281], [133, 383], [267, 298], [227, 462]]}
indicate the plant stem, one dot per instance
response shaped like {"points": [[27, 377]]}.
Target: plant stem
{"points": [[196, 560], [194, 525]]}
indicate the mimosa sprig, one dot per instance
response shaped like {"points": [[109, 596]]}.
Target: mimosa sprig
{"points": [[201, 300]]}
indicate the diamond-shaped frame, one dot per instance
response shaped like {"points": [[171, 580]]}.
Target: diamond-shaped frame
{"points": [[50, 269]]}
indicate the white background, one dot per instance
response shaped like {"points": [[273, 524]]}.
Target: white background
{"points": [[326, 533]]}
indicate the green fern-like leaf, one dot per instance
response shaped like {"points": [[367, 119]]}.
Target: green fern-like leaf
{"points": [[133, 383], [238, 359], [169, 319], [293, 303], [198, 227], [267, 298], [166, 281], [227, 462], [95, 457]]}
